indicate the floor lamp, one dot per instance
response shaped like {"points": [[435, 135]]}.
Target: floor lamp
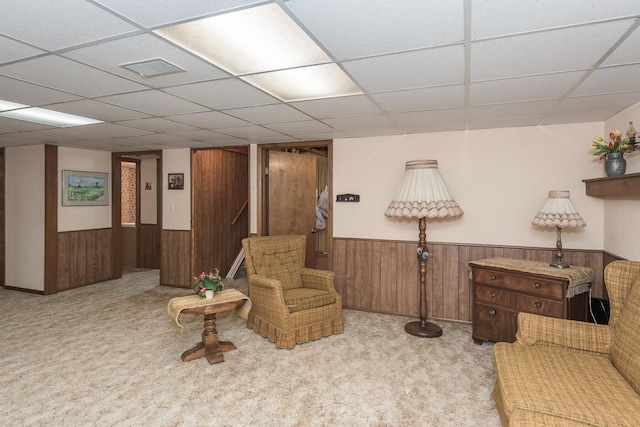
{"points": [[558, 212], [422, 194]]}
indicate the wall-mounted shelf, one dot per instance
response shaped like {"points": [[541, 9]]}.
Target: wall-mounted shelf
{"points": [[622, 185]]}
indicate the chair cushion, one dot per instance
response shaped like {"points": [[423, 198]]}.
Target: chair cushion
{"points": [[280, 258], [569, 386], [625, 350], [299, 299]]}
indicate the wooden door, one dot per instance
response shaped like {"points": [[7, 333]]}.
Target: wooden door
{"points": [[291, 199], [220, 217]]}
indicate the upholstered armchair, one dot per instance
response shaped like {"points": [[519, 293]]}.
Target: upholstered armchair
{"points": [[290, 304], [563, 372]]}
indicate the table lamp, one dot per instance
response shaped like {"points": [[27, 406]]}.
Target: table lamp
{"points": [[422, 194], [558, 212]]}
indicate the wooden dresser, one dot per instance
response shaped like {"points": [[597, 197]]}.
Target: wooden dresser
{"points": [[503, 287]]}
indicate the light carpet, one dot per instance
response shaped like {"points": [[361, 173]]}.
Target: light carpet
{"points": [[109, 355]]}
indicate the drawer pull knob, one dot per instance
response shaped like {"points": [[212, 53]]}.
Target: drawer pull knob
{"points": [[536, 285], [492, 277], [537, 305], [492, 312], [492, 295]]}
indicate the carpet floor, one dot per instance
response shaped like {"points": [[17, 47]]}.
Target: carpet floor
{"points": [[109, 355]]}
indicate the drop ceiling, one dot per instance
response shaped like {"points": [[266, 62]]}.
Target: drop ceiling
{"points": [[422, 66]]}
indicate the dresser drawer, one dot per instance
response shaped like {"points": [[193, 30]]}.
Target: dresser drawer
{"points": [[520, 282], [494, 323], [492, 295], [536, 305]]}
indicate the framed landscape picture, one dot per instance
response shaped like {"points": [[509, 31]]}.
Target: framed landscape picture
{"points": [[85, 188]]}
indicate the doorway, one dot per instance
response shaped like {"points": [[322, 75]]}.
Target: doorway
{"points": [[291, 194], [136, 211]]}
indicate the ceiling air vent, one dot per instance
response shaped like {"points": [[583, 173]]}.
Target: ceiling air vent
{"points": [[152, 68]]}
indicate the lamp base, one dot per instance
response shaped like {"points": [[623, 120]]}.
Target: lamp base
{"points": [[558, 263], [423, 329]]}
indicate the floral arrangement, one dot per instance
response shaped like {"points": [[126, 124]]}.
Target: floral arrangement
{"points": [[616, 144], [207, 282]]}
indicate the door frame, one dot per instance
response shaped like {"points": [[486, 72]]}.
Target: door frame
{"points": [[261, 190], [116, 204]]}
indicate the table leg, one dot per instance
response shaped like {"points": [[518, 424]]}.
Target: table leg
{"points": [[210, 347]]}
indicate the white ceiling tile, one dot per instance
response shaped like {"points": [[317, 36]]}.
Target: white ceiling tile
{"points": [[628, 52], [431, 67], [580, 117], [422, 99], [546, 86], [11, 50], [358, 105], [203, 135], [511, 110], [157, 125], [98, 110], [153, 102], [111, 130], [111, 55], [65, 75], [20, 125], [374, 27], [490, 18], [607, 102], [222, 94], [505, 123], [364, 133], [59, 24], [305, 127], [151, 13], [268, 114], [419, 118], [364, 122], [30, 94], [252, 133], [438, 127], [210, 120], [546, 52], [624, 78]]}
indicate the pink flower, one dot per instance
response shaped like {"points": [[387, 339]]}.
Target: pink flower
{"points": [[202, 275]]}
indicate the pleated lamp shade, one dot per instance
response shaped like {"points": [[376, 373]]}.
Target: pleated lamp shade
{"points": [[558, 211], [423, 194]]}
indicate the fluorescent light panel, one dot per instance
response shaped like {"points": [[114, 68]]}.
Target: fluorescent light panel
{"points": [[328, 81], [263, 39], [43, 116]]}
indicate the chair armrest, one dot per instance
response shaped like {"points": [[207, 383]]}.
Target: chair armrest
{"points": [[318, 279], [265, 282], [572, 334]]}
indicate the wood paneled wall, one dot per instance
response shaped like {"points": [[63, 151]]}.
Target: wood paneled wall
{"points": [[382, 276], [84, 257], [148, 246], [176, 258]]}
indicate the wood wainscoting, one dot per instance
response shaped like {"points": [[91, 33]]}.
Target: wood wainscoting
{"points": [[382, 276], [148, 246], [84, 257], [176, 258]]}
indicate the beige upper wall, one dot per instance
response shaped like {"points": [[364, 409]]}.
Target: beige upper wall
{"points": [[71, 218], [176, 205], [24, 217], [621, 231], [500, 178]]}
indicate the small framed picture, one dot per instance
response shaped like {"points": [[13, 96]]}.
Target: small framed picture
{"points": [[176, 181]]}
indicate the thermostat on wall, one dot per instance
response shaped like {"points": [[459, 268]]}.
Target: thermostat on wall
{"points": [[348, 198]]}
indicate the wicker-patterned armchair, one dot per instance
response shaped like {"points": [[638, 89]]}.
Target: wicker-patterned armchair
{"points": [[290, 304], [567, 373]]}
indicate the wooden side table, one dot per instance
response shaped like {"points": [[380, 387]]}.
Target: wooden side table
{"points": [[503, 287], [210, 347]]}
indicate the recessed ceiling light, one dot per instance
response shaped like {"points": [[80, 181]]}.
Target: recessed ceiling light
{"points": [[152, 68], [265, 47], [43, 116]]}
